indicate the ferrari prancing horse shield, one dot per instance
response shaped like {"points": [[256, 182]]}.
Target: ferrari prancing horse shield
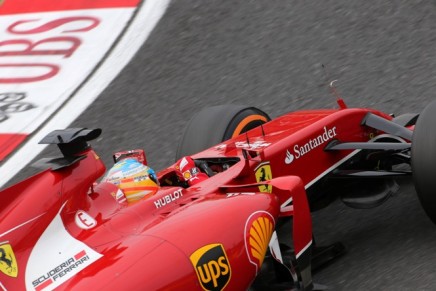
{"points": [[263, 173], [8, 263]]}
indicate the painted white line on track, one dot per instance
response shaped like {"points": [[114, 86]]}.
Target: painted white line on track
{"points": [[142, 25]]}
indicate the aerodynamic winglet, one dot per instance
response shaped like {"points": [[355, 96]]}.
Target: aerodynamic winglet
{"points": [[387, 126], [70, 135], [336, 145], [71, 140]]}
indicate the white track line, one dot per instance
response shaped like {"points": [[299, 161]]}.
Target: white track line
{"points": [[143, 23]]}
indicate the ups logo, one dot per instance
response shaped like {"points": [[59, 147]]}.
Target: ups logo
{"points": [[212, 267]]}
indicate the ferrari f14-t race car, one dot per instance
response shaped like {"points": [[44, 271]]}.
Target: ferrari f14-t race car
{"points": [[247, 226]]}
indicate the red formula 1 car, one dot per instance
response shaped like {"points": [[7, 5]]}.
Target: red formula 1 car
{"points": [[247, 226]]}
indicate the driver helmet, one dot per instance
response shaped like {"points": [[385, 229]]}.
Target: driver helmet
{"points": [[137, 181]]}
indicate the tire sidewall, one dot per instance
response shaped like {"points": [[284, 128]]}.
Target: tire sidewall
{"points": [[213, 125], [423, 159]]}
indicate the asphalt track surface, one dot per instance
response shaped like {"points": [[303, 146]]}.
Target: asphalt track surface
{"points": [[270, 54]]}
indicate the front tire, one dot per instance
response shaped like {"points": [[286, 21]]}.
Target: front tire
{"points": [[216, 124], [424, 159]]}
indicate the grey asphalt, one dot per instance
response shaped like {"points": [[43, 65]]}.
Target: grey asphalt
{"points": [[269, 54]]}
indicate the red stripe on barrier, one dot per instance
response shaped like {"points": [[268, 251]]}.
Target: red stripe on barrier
{"points": [[33, 6], [8, 143]]}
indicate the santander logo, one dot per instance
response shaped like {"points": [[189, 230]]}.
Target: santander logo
{"points": [[289, 157], [300, 150]]}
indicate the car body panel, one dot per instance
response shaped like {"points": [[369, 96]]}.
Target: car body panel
{"points": [[62, 230]]}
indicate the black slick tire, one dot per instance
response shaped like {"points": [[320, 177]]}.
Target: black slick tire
{"points": [[424, 159], [216, 124]]}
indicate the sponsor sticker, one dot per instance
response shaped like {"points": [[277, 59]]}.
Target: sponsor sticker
{"points": [[190, 174], [263, 173], [187, 175], [8, 263], [119, 196], [300, 150], [245, 145], [69, 265], [212, 267], [167, 199], [259, 228]]}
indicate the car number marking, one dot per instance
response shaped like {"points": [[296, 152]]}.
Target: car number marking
{"points": [[84, 220]]}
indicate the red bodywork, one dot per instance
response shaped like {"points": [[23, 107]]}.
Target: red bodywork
{"points": [[57, 230]]}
